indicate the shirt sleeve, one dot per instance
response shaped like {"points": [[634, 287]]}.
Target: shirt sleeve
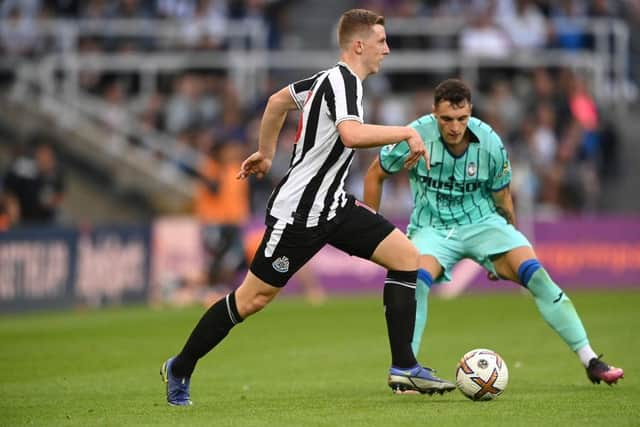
{"points": [[392, 157], [344, 98], [301, 89], [501, 172]]}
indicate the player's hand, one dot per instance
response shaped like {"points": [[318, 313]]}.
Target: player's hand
{"points": [[492, 276], [417, 151], [256, 164]]}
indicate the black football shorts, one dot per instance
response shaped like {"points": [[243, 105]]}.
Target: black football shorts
{"points": [[285, 248]]}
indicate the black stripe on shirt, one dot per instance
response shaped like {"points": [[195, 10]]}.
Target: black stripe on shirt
{"points": [[350, 91], [306, 84], [331, 192], [311, 190], [311, 129]]}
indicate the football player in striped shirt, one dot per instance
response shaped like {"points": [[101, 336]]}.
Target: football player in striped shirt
{"points": [[309, 208]]}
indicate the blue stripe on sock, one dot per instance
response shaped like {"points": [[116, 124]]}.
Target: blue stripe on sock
{"points": [[425, 276], [526, 270]]}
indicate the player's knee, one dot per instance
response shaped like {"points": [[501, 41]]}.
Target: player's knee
{"points": [[409, 258], [397, 252]]}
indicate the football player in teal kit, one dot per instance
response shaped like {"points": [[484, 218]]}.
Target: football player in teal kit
{"points": [[463, 209]]}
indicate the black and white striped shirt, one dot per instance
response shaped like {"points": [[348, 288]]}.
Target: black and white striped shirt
{"points": [[313, 189]]}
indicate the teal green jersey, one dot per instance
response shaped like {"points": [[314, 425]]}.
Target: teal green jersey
{"points": [[458, 189]]}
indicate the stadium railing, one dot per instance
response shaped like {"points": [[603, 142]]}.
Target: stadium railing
{"points": [[246, 57], [49, 81]]}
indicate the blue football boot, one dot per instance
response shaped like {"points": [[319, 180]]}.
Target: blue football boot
{"points": [[177, 388], [418, 379]]}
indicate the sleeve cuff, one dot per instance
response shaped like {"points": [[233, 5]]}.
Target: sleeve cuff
{"points": [[382, 167], [295, 98], [355, 118], [495, 190]]}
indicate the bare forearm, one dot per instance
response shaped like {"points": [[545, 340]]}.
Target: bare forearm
{"points": [[372, 192], [507, 214], [504, 205], [356, 135], [270, 127], [373, 181], [275, 114]]}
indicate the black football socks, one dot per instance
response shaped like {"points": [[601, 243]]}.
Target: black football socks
{"points": [[214, 325], [400, 312]]}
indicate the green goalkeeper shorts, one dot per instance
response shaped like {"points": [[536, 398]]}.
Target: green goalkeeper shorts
{"points": [[479, 242]]}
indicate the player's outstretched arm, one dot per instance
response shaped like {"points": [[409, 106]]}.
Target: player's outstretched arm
{"points": [[373, 181], [358, 135], [504, 205], [275, 113]]}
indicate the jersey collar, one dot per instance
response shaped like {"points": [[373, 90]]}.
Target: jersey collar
{"points": [[344, 64], [473, 138]]}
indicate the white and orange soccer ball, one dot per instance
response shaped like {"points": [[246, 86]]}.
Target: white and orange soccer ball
{"points": [[482, 374]]}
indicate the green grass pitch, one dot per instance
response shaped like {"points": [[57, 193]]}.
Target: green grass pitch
{"points": [[297, 365]]}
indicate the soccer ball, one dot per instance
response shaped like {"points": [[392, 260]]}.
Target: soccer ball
{"points": [[482, 374]]}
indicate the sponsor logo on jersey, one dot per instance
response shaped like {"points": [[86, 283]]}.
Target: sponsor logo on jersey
{"points": [[281, 265], [449, 200], [462, 187], [506, 167]]}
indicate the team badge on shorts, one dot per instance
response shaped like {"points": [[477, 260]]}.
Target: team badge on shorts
{"points": [[471, 169], [281, 265]]}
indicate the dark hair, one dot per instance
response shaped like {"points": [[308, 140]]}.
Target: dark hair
{"points": [[452, 90], [355, 21]]}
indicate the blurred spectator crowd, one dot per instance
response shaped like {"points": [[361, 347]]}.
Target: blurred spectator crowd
{"points": [[495, 26], [202, 24], [558, 135]]}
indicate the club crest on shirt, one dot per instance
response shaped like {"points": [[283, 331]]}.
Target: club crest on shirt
{"points": [[471, 169], [281, 265]]}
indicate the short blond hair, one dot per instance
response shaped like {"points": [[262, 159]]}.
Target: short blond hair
{"points": [[356, 21]]}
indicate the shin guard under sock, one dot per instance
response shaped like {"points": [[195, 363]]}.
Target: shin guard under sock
{"points": [[554, 305], [214, 325], [400, 312]]}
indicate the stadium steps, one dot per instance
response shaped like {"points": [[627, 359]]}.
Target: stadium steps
{"points": [[103, 186]]}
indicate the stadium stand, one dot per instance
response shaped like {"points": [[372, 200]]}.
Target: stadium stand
{"points": [[134, 92]]}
